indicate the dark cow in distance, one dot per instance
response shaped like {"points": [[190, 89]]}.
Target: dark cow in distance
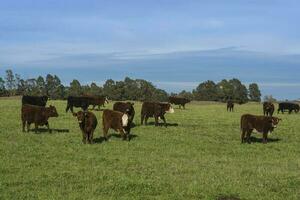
{"points": [[84, 102], [268, 108], [179, 101], [230, 105], [38, 115], [125, 107], [262, 124], [87, 122], [115, 120], [290, 106], [35, 100], [156, 110]]}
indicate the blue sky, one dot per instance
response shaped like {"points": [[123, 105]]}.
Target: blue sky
{"points": [[174, 44]]}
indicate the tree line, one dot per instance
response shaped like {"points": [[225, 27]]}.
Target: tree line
{"points": [[128, 89]]}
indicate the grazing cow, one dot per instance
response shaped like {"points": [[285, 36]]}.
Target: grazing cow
{"points": [[35, 100], [268, 108], [156, 110], [98, 101], [262, 124], [288, 106], [87, 123], [125, 107], [230, 105], [179, 101], [38, 115], [84, 101], [117, 121]]}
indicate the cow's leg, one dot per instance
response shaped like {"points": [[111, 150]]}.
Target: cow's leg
{"points": [[265, 137], [142, 119], [156, 120], [105, 131], [146, 120], [83, 137], [71, 108], [243, 136], [122, 133], [164, 119], [23, 125], [91, 135], [183, 106], [35, 127], [28, 126], [47, 124], [248, 136]]}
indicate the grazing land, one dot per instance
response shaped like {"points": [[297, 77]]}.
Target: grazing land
{"points": [[198, 156]]}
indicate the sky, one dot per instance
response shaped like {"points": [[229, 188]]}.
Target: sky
{"points": [[174, 44]]}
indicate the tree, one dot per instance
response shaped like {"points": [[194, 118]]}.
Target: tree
{"points": [[206, 91], [254, 92], [41, 86], [240, 92], [75, 88], [2, 87], [10, 82], [185, 94]]}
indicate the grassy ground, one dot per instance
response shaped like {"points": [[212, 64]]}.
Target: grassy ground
{"points": [[200, 158]]}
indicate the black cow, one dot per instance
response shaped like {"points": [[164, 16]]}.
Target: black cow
{"points": [[230, 105], [283, 106], [35, 100], [156, 110], [179, 101]]}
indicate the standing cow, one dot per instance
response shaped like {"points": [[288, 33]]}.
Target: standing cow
{"points": [[38, 115], [179, 101], [126, 107], [35, 100], [156, 110], [87, 123], [230, 105], [115, 120], [283, 106], [268, 108], [261, 124]]}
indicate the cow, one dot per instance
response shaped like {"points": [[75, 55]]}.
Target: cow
{"points": [[87, 122], [262, 124], [179, 101], [84, 102], [268, 108], [35, 100], [156, 110], [38, 115], [230, 105], [98, 101], [288, 106], [115, 120], [125, 107]]}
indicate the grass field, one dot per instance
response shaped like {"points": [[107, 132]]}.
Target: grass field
{"points": [[200, 158]]}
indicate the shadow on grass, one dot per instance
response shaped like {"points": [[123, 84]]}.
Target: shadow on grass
{"points": [[102, 139], [53, 130], [162, 124], [260, 140]]}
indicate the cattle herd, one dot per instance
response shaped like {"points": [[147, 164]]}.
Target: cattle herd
{"points": [[120, 118]]}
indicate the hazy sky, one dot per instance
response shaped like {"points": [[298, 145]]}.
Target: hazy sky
{"points": [[175, 44]]}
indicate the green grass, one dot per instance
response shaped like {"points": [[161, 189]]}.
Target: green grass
{"points": [[201, 158]]}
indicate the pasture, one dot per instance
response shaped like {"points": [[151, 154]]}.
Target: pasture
{"points": [[198, 156]]}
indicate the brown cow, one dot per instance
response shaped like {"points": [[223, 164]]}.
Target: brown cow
{"points": [[156, 110], [230, 105], [38, 115], [268, 108], [87, 123], [126, 107], [117, 121], [262, 124]]}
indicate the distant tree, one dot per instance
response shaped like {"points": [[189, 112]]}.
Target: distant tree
{"points": [[186, 94], [2, 87], [41, 86], [206, 91], [269, 98], [10, 82], [96, 90], [254, 92], [240, 92], [75, 88]]}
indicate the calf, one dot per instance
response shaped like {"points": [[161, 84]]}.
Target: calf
{"points": [[35, 100], [230, 106], [262, 124], [268, 108], [288, 106], [117, 121], [126, 107], [87, 122], [179, 101], [156, 110], [38, 115]]}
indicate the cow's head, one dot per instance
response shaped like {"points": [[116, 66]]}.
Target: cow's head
{"points": [[169, 108], [52, 111], [80, 116], [275, 121]]}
